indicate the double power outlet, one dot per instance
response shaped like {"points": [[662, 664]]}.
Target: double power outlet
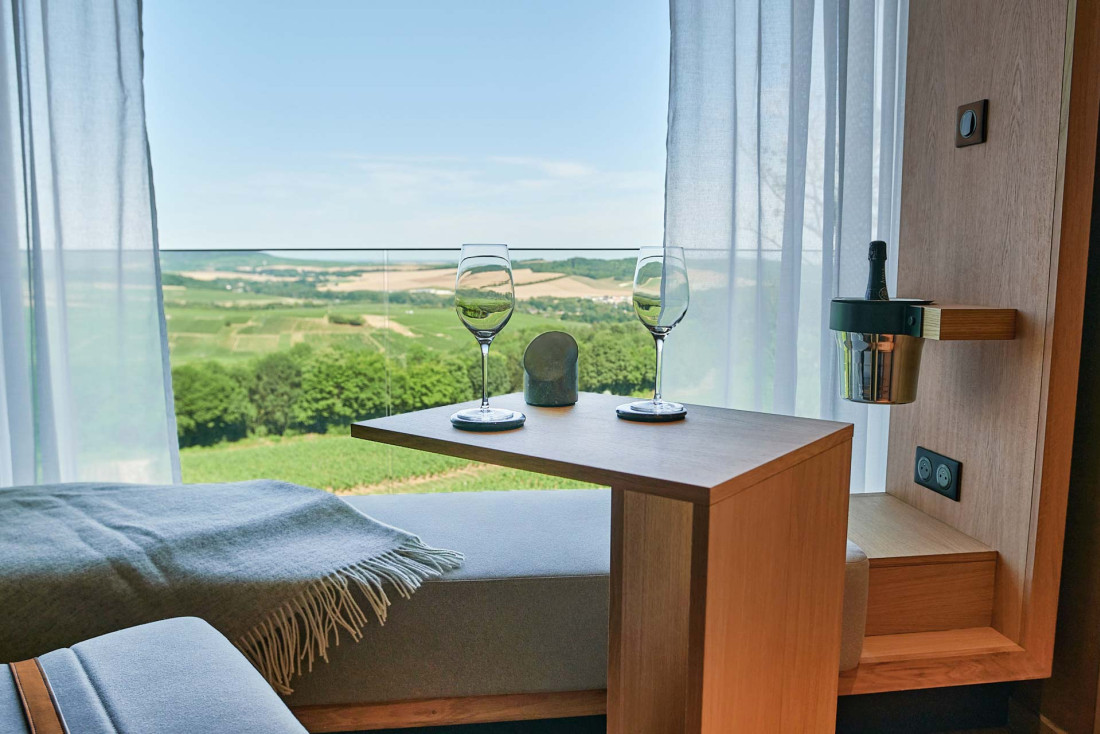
{"points": [[937, 472]]}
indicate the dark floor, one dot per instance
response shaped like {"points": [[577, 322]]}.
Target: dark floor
{"points": [[933, 711], [583, 725], [963, 710], [587, 725]]}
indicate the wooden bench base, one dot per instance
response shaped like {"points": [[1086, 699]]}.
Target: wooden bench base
{"points": [[925, 579], [888, 663], [449, 711]]}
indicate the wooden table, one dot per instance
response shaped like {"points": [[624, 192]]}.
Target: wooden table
{"points": [[727, 553]]}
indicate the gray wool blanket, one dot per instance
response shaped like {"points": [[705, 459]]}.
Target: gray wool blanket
{"points": [[281, 570]]}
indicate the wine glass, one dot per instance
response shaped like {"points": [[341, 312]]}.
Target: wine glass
{"points": [[661, 298], [484, 299]]}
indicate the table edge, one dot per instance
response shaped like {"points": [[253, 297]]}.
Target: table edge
{"points": [[689, 492]]}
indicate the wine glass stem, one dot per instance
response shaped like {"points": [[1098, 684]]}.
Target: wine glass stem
{"points": [[484, 372], [660, 340]]}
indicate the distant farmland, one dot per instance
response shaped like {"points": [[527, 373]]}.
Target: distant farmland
{"points": [[429, 278], [235, 308], [200, 331]]}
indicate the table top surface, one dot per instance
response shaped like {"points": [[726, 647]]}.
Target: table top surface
{"points": [[708, 456]]}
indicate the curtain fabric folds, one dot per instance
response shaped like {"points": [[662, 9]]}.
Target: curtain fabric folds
{"points": [[85, 388], [784, 150]]}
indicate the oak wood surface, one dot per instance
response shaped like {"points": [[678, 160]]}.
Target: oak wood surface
{"points": [[815, 591], [728, 615], [1064, 321], [892, 532], [649, 635], [947, 322], [946, 643], [450, 711], [773, 602], [938, 672], [937, 659], [929, 597], [978, 226], [1005, 224], [924, 574], [712, 454], [1070, 698]]}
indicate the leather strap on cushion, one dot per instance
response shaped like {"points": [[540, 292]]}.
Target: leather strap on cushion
{"points": [[37, 698]]}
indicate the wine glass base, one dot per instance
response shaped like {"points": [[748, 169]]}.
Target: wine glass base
{"points": [[651, 411], [487, 419]]}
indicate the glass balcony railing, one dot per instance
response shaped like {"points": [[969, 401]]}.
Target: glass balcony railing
{"points": [[275, 353]]}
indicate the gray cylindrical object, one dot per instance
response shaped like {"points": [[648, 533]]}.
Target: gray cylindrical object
{"points": [[550, 370]]}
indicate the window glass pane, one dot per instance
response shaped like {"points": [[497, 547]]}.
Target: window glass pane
{"points": [[274, 354], [318, 166]]}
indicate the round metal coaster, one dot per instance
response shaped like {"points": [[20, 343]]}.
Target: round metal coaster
{"points": [[482, 426], [627, 412]]}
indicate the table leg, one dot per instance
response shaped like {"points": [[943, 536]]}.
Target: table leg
{"points": [[726, 617]]}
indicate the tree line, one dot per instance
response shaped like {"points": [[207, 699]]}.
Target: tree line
{"points": [[307, 390], [589, 267], [307, 285]]}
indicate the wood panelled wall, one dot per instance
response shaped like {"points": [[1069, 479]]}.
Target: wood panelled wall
{"points": [[1069, 701], [1069, 698], [981, 225]]}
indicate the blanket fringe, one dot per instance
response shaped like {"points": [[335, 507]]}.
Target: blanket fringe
{"points": [[301, 630]]}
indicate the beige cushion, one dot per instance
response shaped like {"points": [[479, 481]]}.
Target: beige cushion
{"points": [[527, 613], [855, 606]]}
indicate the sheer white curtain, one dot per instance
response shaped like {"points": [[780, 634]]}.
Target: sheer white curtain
{"points": [[784, 150], [85, 389]]}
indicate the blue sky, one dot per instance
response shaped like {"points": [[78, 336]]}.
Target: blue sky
{"points": [[407, 124]]}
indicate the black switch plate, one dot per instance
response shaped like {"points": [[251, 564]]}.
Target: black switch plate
{"points": [[938, 473], [970, 123]]}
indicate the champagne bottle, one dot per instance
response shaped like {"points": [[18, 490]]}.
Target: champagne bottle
{"points": [[876, 275]]}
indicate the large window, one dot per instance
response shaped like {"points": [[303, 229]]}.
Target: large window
{"points": [[317, 167]]}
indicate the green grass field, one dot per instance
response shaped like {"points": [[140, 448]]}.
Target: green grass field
{"points": [[201, 332], [346, 465]]}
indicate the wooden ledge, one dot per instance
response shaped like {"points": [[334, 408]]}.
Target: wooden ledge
{"points": [[929, 606], [450, 711], [944, 644], [925, 576], [949, 322], [937, 659], [894, 533]]}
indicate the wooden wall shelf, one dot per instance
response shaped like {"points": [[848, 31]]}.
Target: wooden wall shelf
{"points": [[955, 323]]}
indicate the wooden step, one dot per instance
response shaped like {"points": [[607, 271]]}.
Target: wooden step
{"points": [[934, 659], [924, 575]]}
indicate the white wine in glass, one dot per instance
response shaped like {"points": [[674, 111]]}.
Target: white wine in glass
{"points": [[661, 296], [484, 299]]}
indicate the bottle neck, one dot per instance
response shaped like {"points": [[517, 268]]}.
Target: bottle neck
{"points": [[876, 281]]}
